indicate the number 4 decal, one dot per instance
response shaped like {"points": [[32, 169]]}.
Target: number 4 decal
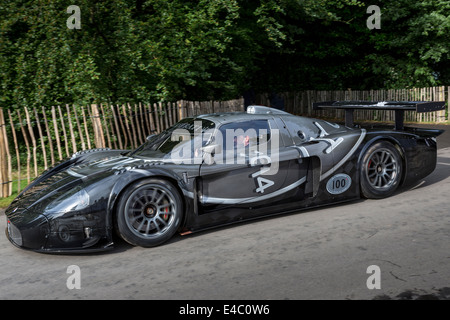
{"points": [[263, 183]]}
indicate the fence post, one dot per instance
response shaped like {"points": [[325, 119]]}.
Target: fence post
{"points": [[3, 176], [441, 97], [41, 137], [6, 160], [180, 110], [448, 103], [99, 139], [33, 141], [16, 147]]}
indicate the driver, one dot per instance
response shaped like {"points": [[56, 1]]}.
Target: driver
{"points": [[241, 141]]}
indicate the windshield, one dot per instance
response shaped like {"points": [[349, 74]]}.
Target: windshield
{"points": [[188, 134]]}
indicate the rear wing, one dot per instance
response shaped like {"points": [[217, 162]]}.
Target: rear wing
{"points": [[398, 106]]}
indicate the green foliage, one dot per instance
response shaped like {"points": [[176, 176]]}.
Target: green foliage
{"points": [[151, 50], [413, 48]]}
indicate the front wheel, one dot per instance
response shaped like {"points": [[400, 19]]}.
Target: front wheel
{"points": [[149, 213], [381, 170]]}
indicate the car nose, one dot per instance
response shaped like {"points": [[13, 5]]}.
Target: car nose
{"points": [[28, 230]]}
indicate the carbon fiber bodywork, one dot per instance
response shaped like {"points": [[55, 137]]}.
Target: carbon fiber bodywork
{"points": [[72, 207]]}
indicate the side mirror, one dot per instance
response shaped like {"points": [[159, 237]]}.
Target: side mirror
{"points": [[212, 149], [209, 152]]}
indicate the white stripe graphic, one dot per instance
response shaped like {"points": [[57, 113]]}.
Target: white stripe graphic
{"points": [[214, 200], [344, 159]]}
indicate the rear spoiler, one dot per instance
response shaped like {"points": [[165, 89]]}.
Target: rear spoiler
{"points": [[398, 106]]}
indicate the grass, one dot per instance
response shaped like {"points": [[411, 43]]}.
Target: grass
{"points": [[5, 202]]}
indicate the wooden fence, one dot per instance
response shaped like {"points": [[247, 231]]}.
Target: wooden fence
{"points": [[300, 103], [34, 139]]}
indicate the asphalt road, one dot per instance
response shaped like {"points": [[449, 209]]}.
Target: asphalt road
{"points": [[317, 254]]}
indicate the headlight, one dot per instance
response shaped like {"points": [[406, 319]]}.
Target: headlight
{"points": [[73, 200]]}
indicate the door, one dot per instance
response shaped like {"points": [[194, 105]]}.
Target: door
{"points": [[255, 168]]}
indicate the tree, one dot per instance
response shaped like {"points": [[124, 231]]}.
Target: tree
{"points": [[413, 47], [151, 50]]}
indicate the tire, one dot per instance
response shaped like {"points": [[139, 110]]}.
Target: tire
{"points": [[149, 213], [381, 170]]}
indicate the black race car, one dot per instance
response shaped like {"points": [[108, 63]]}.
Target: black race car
{"points": [[218, 169]]}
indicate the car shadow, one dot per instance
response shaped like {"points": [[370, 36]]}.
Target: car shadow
{"points": [[260, 219], [119, 246]]}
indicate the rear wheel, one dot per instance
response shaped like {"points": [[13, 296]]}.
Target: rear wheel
{"points": [[149, 213], [381, 170]]}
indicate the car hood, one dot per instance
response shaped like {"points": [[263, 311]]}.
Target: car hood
{"points": [[114, 164], [86, 172]]}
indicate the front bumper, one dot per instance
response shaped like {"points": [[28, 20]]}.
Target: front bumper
{"points": [[31, 234], [74, 235]]}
